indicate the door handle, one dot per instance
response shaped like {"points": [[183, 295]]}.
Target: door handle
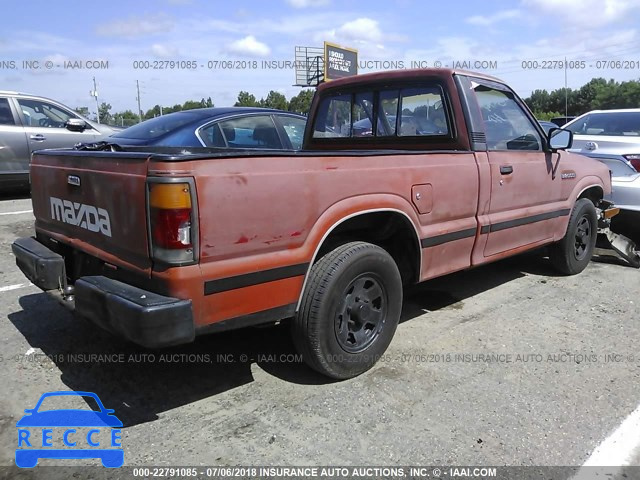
{"points": [[38, 137], [506, 169]]}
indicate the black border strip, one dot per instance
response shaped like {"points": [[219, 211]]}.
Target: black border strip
{"points": [[252, 319], [496, 227], [254, 278], [447, 237]]}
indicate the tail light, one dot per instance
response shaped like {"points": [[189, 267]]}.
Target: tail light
{"points": [[634, 160], [172, 222]]}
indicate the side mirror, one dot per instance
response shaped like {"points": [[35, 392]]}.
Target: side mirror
{"points": [[559, 138], [76, 125]]}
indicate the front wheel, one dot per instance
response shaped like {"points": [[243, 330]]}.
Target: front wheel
{"points": [[349, 311], [572, 254]]}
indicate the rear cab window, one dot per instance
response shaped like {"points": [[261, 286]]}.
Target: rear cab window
{"points": [[416, 114]]}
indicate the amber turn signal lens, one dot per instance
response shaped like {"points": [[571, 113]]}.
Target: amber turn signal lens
{"points": [[611, 212], [169, 195]]}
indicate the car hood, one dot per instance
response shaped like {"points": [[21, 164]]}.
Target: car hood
{"points": [[69, 418], [605, 144]]}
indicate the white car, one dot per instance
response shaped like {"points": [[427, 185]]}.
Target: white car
{"points": [[613, 137], [608, 135]]}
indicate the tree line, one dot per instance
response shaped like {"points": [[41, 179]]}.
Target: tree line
{"points": [[597, 94], [299, 104]]}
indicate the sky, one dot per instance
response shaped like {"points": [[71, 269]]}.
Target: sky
{"points": [[512, 40]]}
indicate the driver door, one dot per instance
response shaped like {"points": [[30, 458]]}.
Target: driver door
{"points": [[44, 125], [525, 193]]}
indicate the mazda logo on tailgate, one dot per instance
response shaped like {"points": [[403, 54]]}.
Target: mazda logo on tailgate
{"points": [[73, 180]]}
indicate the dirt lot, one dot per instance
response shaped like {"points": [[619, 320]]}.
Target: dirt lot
{"points": [[507, 364]]}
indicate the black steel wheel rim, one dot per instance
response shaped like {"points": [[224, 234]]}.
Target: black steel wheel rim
{"points": [[361, 314], [582, 237]]}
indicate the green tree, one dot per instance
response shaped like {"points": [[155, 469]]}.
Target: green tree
{"points": [[245, 99], [104, 112], [274, 100], [126, 118], [153, 112], [84, 111], [301, 103], [191, 104], [175, 108]]}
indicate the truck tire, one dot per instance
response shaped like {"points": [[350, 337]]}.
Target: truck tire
{"points": [[572, 254], [349, 311]]}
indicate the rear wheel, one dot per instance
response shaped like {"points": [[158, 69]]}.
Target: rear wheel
{"points": [[572, 254], [349, 311]]}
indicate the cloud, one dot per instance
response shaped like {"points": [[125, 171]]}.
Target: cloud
{"points": [[487, 20], [249, 46], [136, 26], [586, 13], [307, 3], [361, 29], [163, 51], [57, 58]]}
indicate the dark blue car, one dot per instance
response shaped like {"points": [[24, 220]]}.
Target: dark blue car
{"points": [[36, 433], [231, 127]]}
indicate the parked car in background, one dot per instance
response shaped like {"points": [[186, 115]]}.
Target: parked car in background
{"points": [[560, 121], [230, 127], [613, 137], [608, 135], [547, 126], [29, 123]]}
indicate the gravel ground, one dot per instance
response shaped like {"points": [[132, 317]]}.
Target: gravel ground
{"points": [[507, 364]]}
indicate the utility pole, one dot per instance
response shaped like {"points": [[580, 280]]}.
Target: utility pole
{"points": [[138, 98], [94, 93], [566, 93]]}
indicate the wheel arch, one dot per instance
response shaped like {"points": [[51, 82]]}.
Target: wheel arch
{"points": [[595, 193], [338, 233]]}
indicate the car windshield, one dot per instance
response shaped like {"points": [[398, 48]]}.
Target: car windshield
{"points": [[68, 402], [156, 127], [607, 123]]}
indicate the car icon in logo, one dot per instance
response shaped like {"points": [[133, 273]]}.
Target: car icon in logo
{"points": [[69, 433]]}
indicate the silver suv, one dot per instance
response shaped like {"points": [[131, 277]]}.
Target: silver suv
{"points": [[29, 123]]}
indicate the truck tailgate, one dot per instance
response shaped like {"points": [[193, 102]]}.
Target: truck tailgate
{"points": [[84, 198]]}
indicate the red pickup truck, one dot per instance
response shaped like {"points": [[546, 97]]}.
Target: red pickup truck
{"points": [[404, 176]]}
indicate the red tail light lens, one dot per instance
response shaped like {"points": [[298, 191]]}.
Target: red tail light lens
{"points": [[634, 160], [172, 223], [171, 229]]}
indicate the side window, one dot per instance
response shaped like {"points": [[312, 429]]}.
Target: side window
{"points": [[255, 131], [294, 128], [506, 125], [41, 114], [6, 117], [422, 112], [334, 117], [388, 112], [211, 135]]}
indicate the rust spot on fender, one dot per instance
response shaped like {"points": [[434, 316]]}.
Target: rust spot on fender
{"points": [[242, 239], [296, 233]]}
